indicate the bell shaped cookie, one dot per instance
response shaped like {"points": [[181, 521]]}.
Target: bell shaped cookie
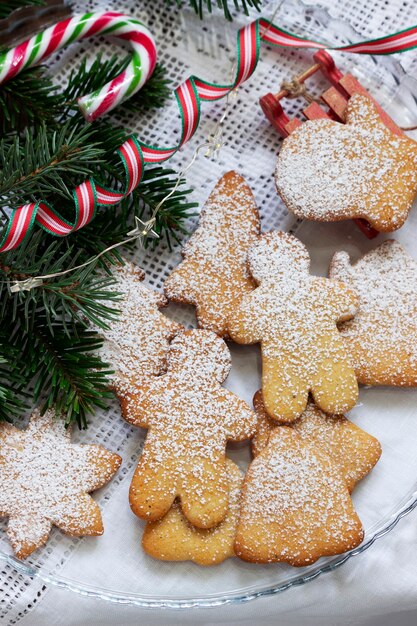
{"points": [[382, 338], [327, 171], [173, 538], [293, 316], [45, 480], [295, 505], [352, 450], [214, 271], [190, 418]]}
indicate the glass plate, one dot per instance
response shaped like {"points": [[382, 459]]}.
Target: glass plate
{"points": [[114, 567]]}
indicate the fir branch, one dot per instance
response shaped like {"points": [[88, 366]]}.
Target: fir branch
{"points": [[84, 80], [8, 6], [28, 99], [11, 382], [63, 367], [46, 161], [200, 6]]}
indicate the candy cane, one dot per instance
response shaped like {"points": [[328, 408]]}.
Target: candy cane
{"points": [[40, 46], [190, 94]]}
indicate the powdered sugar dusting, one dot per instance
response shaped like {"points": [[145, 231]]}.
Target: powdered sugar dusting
{"points": [[45, 480], [190, 418], [293, 315], [137, 341], [214, 271], [330, 171], [383, 336], [295, 505]]}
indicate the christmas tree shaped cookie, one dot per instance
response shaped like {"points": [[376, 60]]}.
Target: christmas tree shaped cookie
{"points": [[382, 338], [136, 343], [295, 505], [293, 315], [45, 480], [173, 538], [190, 418], [214, 271], [352, 450], [328, 171]]}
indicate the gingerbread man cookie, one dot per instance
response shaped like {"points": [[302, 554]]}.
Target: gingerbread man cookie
{"points": [[295, 505], [293, 315], [173, 538], [214, 271], [190, 418], [353, 451], [136, 342], [328, 171], [382, 339], [45, 480]]}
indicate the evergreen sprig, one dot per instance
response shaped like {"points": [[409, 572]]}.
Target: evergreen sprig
{"points": [[29, 99], [48, 341], [8, 6], [200, 6]]}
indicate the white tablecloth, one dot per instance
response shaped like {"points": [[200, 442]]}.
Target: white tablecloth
{"points": [[377, 588]]}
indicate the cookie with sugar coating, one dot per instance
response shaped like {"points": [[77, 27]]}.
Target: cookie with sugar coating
{"points": [[136, 342], [173, 538], [190, 418], [295, 505], [353, 451], [293, 316], [214, 271], [327, 171], [382, 338], [45, 480]]}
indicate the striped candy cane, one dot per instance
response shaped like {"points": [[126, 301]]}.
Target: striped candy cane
{"points": [[135, 154], [35, 50]]}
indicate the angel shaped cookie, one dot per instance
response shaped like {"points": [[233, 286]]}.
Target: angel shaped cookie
{"points": [[328, 171], [173, 538], [190, 418], [136, 343], [382, 339], [214, 271], [353, 451], [293, 316], [295, 505], [45, 480]]}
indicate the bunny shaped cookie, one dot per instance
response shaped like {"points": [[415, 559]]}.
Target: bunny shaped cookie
{"points": [[293, 315], [190, 418]]}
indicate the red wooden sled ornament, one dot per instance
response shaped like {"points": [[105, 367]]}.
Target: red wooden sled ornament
{"points": [[335, 98]]}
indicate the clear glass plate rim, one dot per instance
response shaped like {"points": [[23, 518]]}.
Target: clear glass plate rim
{"points": [[251, 593]]}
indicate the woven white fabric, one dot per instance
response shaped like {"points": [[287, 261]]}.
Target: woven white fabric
{"points": [[381, 581]]}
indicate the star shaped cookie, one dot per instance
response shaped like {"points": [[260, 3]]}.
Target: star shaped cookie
{"points": [[45, 480], [327, 171]]}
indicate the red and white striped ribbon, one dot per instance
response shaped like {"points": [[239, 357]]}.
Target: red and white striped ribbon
{"points": [[189, 95]]}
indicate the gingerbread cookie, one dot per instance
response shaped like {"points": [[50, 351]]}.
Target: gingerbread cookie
{"points": [[382, 339], [293, 315], [353, 451], [173, 538], [136, 343], [214, 271], [45, 480], [295, 505], [327, 171], [190, 418]]}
